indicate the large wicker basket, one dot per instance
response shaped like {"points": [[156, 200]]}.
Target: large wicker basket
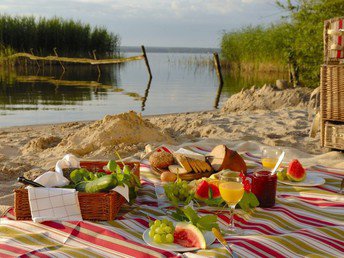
{"points": [[332, 106], [95, 206], [332, 92], [334, 40]]}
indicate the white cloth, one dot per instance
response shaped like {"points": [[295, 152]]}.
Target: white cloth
{"points": [[54, 204], [122, 190], [68, 161], [51, 179]]}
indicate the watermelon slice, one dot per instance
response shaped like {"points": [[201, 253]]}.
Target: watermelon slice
{"points": [[202, 190], [187, 235], [207, 190], [296, 172]]}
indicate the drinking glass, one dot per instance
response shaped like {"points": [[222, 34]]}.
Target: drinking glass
{"points": [[270, 157], [231, 190]]}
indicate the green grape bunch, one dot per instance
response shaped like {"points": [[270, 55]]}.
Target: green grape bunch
{"points": [[161, 231], [179, 192]]}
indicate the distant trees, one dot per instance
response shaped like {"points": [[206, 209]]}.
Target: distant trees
{"points": [[296, 42], [73, 38]]}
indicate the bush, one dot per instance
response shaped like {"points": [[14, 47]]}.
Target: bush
{"points": [[298, 41]]}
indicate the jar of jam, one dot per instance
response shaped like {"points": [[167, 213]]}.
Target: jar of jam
{"points": [[264, 186]]}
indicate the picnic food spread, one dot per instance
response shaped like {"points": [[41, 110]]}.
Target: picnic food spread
{"points": [[183, 226]]}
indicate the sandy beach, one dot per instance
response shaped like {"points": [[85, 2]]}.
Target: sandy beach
{"points": [[254, 117]]}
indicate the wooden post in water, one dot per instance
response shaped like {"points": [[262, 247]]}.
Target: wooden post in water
{"points": [[146, 95], [95, 58], [146, 61], [217, 65], [218, 70], [218, 95], [64, 69]]}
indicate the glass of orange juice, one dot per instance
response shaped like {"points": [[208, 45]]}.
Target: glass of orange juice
{"points": [[270, 157], [231, 190]]}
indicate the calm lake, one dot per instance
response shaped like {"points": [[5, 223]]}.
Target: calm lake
{"points": [[182, 82]]}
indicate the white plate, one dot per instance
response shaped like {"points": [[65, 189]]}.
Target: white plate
{"points": [[311, 180], [209, 239]]}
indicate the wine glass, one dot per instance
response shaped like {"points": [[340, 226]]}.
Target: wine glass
{"points": [[270, 157], [231, 190]]}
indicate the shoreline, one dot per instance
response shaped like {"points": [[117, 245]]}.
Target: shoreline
{"points": [[92, 121]]}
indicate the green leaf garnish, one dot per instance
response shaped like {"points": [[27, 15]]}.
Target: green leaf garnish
{"points": [[126, 170], [205, 223], [119, 170], [248, 201], [112, 165], [191, 214]]}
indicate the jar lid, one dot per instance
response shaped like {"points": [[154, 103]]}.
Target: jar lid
{"points": [[262, 173]]}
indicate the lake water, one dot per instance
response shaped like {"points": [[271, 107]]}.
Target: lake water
{"points": [[181, 83]]}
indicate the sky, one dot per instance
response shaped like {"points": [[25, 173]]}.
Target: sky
{"points": [[166, 23]]}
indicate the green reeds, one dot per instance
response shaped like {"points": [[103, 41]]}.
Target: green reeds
{"points": [[71, 38], [255, 48], [297, 42]]}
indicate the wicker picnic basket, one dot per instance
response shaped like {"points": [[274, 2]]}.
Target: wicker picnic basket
{"points": [[334, 41], [332, 85], [93, 206], [334, 135], [332, 92]]}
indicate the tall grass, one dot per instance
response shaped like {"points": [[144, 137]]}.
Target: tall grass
{"points": [[256, 48], [71, 38], [297, 42]]}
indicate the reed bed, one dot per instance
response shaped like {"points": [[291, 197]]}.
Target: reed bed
{"points": [[255, 48], [71, 38]]}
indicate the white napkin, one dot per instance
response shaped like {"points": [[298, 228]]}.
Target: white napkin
{"points": [[68, 161], [54, 204], [51, 179], [122, 190]]}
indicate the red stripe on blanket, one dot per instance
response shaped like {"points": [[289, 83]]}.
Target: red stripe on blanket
{"points": [[339, 52], [260, 227], [101, 242], [17, 250], [301, 218], [329, 241], [259, 249], [319, 202]]}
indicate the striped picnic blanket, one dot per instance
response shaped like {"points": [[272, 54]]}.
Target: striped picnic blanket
{"points": [[297, 226]]}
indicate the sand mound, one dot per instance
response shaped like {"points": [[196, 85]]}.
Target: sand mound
{"points": [[267, 98], [111, 132], [11, 170], [41, 143]]}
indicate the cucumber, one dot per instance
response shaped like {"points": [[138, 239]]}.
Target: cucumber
{"points": [[103, 184]]}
